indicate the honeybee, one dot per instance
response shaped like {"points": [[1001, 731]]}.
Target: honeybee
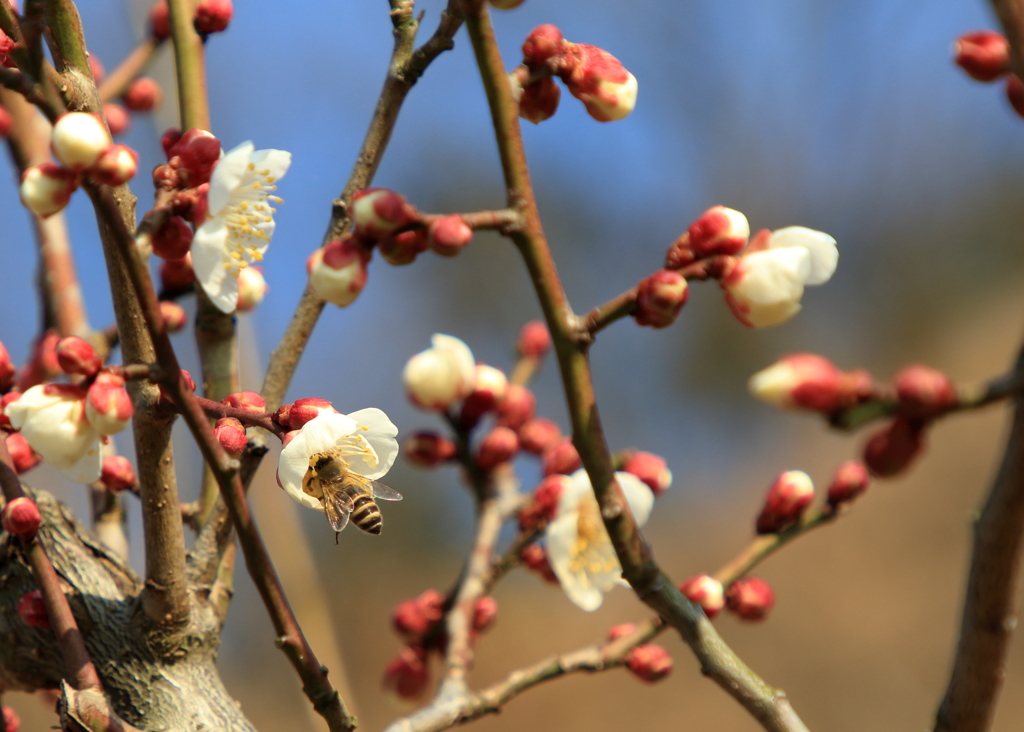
{"points": [[345, 494]]}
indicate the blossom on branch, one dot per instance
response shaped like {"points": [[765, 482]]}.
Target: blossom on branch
{"points": [[442, 375], [239, 220], [578, 546]]}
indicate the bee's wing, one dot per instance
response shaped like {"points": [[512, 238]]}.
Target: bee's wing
{"points": [[384, 492], [337, 507]]}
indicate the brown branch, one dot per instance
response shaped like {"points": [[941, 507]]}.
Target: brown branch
{"points": [[990, 606], [769, 706], [116, 82], [1011, 16], [248, 417], [604, 315]]}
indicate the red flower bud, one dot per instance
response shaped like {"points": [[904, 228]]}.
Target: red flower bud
{"points": [[403, 247], [890, 450], [561, 458], [7, 369], [108, 406], [650, 663], [705, 591], [801, 380], [651, 469], [751, 598], [719, 230], [10, 719], [484, 614], [544, 504], [213, 16], [47, 188], [118, 119], [498, 446], [544, 42], [231, 435], [177, 274], [174, 316], [77, 356], [173, 239], [517, 407], [448, 235], [984, 55], [851, 479], [538, 435], [303, 410], [160, 21], [97, 70], [118, 474], [599, 80], [337, 271], [6, 122], [785, 502], [245, 400], [194, 155], [378, 212], [536, 559], [659, 299], [116, 166], [539, 100], [32, 610], [534, 339], [143, 95], [407, 675], [621, 631], [21, 518], [924, 391], [414, 619], [428, 449], [22, 454], [170, 137]]}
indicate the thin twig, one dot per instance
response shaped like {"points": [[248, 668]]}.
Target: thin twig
{"points": [[1011, 16], [604, 315], [117, 81]]}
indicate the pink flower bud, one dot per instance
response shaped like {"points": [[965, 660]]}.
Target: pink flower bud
{"points": [[535, 559], [599, 80], [538, 435], [143, 95], [116, 166], [231, 435], [160, 21], [22, 454], [448, 235], [187, 382], [890, 450], [174, 316], [498, 446], [252, 288], [489, 389], [785, 502], [108, 407], [544, 505], [801, 380], [378, 212], [337, 271], [7, 369], [651, 469], [1015, 94], [517, 408], [414, 619], [246, 400], [561, 458], [6, 121], [534, 339], [213, 16], [21, 518], [705, 591], [650, 663], [194, 155], [118, 119], [484, 614], [403, 248], [659, 299], [407, 675], [77, 356], [984, 55], [6, 47], [851, 479], [32, 610], [169, 139], [620, 631], [10, 719], [177, 274], [751, 598], [923, 390], [719, 230], [47, 188], [117, 474], [428, 449], [543, 43], [78, 140], [304, 410], [539, 100]]}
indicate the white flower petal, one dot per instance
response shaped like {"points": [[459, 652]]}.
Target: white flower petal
{"points": [[326, 431], [89, 467], [460, 355], [208, 262], [639, 496], [380, 432], [577, 489], [226, 177], [775, 275], [561, 538], [276, 161], [291, 469], [822, 248]]}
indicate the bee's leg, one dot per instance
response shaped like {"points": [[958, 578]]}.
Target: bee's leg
{"points": [[336, 534]]}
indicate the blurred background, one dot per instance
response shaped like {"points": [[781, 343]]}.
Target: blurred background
{"points": [[847, 117]]}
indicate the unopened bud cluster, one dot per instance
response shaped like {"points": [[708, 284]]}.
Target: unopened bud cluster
{"points": [[811, 382], [591, 74], [82, 146], [211, 16]]}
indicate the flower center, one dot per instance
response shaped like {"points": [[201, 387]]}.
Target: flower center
{"points": [[355, 446], [593, 554], [246, 216]]}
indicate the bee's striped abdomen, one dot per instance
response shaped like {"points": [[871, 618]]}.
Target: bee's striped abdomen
{"points": [[366, 513]]}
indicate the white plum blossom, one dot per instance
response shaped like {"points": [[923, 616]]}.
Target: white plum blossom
{"points": [[767, 283], [441, 375], [239, 221], [52, 419], [365, 440], [578, 546]]}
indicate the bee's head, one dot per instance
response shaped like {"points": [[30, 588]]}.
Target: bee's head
{"points": [[327, 468]]}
